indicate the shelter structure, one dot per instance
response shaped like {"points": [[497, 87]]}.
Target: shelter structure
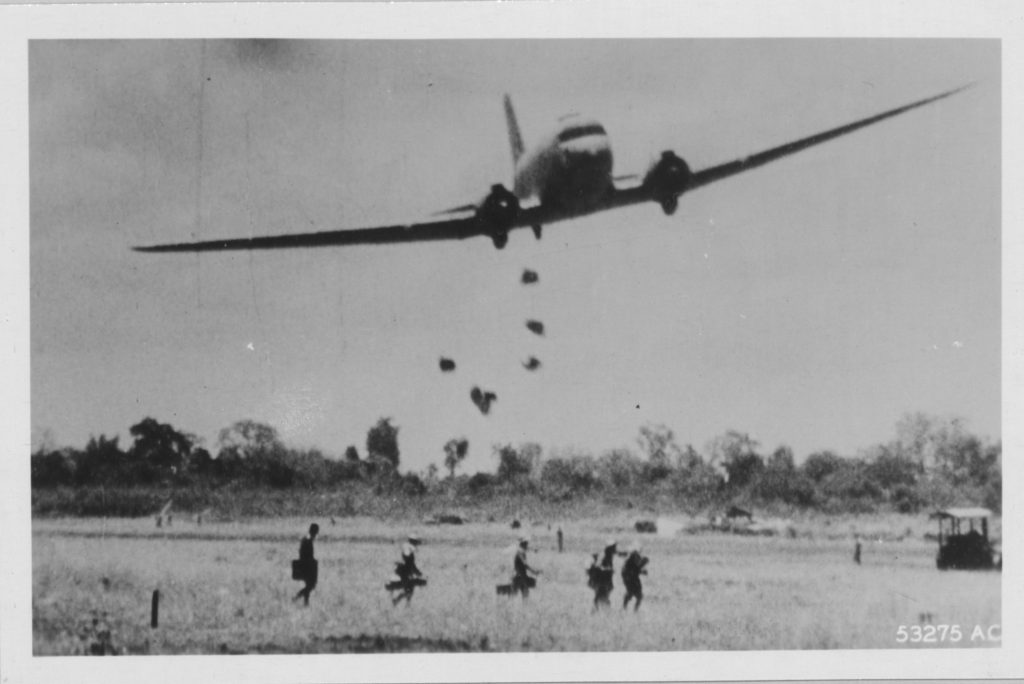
{"points": [[964, 540]]}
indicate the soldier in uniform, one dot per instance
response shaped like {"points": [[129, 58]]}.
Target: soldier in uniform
{"points": [[635, 565], [521, 580], [306, 567], [406, 570]]}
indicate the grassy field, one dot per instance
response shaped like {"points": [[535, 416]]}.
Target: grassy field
{"points": [[226, 588]]}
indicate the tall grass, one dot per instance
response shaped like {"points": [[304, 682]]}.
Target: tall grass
{"points": [[225, 587]]}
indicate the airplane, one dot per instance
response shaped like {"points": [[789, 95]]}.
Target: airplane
{"points": [[569, 175]]}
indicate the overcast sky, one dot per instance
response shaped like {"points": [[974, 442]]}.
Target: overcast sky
{"points": [[811, 302]]}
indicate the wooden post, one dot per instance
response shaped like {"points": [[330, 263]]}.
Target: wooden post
{"points": [[559, 540], [154, 612]]}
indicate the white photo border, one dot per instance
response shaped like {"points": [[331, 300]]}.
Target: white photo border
{"points": [[496, 20]]}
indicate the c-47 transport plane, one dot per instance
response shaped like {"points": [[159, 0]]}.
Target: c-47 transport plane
{"points": [[568, 175]]}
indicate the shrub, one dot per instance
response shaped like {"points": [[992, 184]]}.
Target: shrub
{"points": [[619, 469], [821, 464], [576, 473], [906, 499], [52, 469], [480, 483], [516, 464], [412, 485]]}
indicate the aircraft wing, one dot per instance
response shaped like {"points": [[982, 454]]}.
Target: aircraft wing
{"points": [[664, 183], [670, 177], [716, 173], [448, 229], [457, 228]]}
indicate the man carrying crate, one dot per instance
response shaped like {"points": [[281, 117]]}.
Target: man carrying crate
{"points": [[521, 581], [305, 568], [409, 576], [635, 565]]}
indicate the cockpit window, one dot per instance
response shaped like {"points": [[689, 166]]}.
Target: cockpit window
{"points": [[580, 132]]}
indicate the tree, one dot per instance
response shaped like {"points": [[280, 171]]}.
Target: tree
{"points": [[913, 438], [576, 472], [993, 481], [480, 483], [697, 483], [689, 459], [821, 464], [412, 485], [352, 454], [382, 443], [890, 468], [658, 442], [43, 441], [737, 453], [311, 467], [619, 469], [455, 451], [781, 460], [247, 438], [782, 481], [929, 441], [255, 450], [850, 484], [344, 470], [52, 468], [516, 464], [430, 475], [986, 467], [531, 455], [160, 445], [102, 460], [201, 462], [965, 460]]}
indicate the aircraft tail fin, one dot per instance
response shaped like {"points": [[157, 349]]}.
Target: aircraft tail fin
{"points": [[515, 138]]}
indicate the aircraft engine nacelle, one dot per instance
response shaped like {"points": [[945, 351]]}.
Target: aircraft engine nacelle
{"points": [[667, 179], [497, 213]]}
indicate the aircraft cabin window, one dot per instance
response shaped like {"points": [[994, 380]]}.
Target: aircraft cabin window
{"points": [[580, 132]]}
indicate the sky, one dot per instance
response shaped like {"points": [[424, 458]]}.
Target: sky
{"points": [[810, 303]]}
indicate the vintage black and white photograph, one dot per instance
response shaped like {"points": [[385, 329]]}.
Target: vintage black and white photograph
{"points": [[350, 346]]}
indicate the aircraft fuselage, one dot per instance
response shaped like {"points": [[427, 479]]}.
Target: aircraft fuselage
{"points": [[568, 175], [571, 170]]}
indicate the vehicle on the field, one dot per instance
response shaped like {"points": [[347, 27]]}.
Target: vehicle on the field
{"points": [[963, 540]]}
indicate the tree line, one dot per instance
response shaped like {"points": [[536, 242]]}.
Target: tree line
{"points": [[930, 462]]}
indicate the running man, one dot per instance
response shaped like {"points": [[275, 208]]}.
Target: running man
{"points": [[601, 573], [305, 569], [409, 576], [634, 566], [521, 581]]}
